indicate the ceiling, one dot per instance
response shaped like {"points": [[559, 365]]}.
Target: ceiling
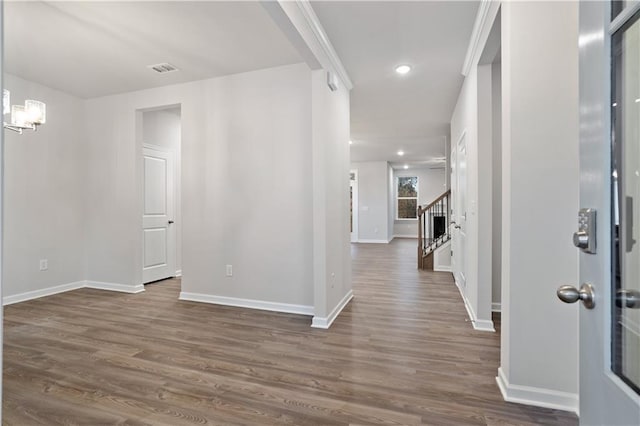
{"points": [[97, 48], [91, 49], [391, 112]]}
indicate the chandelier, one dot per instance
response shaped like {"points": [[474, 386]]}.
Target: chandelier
{"points": [[23, 117]]}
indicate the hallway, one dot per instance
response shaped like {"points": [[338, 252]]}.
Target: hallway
{"points": [[455, 365], [402, 352]]}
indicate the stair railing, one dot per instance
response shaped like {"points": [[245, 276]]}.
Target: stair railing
{"points": [[433, 225]]}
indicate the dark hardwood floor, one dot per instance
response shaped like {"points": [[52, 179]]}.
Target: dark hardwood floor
{"points": [[402, 352]]}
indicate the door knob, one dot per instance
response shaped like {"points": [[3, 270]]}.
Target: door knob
{"points": [[628, 299], [170, 222], [570, 294]]}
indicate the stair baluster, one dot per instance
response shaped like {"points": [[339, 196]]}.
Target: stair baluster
{"points": [[432, 235]]}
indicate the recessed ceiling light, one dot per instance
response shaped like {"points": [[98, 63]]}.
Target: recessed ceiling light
{"points": [[401, 153], [406, 166], [350, 142], [403, 69]]}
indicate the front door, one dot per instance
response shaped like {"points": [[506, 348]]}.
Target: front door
{"points": [[158, 232], [610, 185]]}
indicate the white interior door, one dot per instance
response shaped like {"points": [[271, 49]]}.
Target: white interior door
{"points": [[158, 232], [610, 329], [460, 234]]}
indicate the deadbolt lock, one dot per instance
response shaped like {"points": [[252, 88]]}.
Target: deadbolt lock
{"points": [[585, 237]]}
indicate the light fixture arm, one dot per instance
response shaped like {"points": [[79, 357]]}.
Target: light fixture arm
{"points": [[19, 129]]}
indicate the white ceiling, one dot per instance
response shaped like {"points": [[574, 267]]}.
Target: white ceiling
{"points": [[390, 112], [97, 48], [92, 49]]}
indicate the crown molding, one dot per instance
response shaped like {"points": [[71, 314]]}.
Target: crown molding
{"points": [[334, 62], [481, 29], [301, 26]]}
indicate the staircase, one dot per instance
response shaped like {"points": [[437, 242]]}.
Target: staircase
{"points": [[433, 228]]}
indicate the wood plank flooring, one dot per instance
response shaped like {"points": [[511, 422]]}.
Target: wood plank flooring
{"points": [[402, 352]]}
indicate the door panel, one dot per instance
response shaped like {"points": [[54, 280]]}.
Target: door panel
{"points": [[626, 90], [155, 244], [604, 397], [155, 189], [158, 212]]}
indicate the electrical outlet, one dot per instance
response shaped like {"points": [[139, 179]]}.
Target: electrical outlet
{"points": [[44, 264], [229, 270]]}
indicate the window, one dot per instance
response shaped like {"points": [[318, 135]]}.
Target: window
{"points": [[407, 197]]}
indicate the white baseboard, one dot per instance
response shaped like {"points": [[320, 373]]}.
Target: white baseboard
{"points": [[538, 397], [325, 322], [123, 288], [496, 307], [179, 273], [406, 236], [247, 303], [374, 241], [49, 291], [483, 325], [480, 325], [442, 269]]}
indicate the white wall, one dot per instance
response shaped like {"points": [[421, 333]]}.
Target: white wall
{"points": [[465, 122], [484, 187], [330, 165], [496, 182], [373, 205], [377, 199], [44, 183], [163, 128], [540, 169], [2, 186], [246, 185], [431, 185], [391, 215], [248, 189], [447, 169]]}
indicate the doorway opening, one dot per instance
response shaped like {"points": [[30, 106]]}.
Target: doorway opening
{"points": [[490, 174], [160, 194], [353, 204]]}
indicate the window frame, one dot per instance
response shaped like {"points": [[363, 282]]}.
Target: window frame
{"points": [[398, 197]]}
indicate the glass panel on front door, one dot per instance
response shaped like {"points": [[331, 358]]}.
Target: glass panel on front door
{"points": [[625, 107]]}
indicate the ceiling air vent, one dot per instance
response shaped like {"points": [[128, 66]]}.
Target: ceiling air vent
{"points": [[162, 68]]}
